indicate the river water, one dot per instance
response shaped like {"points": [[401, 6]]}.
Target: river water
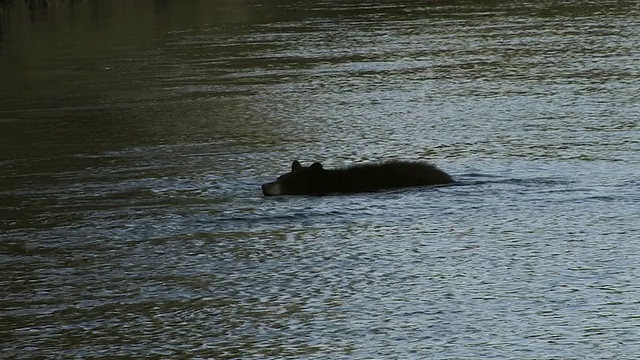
{"points": [[134, 137]]}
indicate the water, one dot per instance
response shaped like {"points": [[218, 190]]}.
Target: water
{"points": [[134, 138]]}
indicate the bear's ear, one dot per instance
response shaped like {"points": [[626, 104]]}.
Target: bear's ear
{"points": [[316, 167], [295, 166]]}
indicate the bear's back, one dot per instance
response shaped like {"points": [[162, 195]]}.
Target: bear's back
{"points": [[380, 176]]}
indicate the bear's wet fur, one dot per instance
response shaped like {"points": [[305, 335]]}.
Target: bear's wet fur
{"points": [[315, 180]]}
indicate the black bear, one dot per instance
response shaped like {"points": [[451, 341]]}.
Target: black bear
{"points": [[314, 180]]}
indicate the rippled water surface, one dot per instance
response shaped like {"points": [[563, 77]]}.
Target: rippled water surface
{"points": [[134, 137]]}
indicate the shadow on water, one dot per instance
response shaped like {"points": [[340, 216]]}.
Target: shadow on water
{"points": [[77, 81]]}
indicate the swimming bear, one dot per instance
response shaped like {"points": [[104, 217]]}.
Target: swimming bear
{"points": [[315, 180]]}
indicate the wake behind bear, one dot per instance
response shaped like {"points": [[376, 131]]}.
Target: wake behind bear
{"points": [[315, 180]]}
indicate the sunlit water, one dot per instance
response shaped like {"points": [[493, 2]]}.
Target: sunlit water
{"points": [[134, 139]]}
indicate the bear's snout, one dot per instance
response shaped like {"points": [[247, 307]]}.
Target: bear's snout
{"points": [[271, 189]]}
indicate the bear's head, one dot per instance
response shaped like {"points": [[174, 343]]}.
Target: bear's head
{"points": [[300, 181]]}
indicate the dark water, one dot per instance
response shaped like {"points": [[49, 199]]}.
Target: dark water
{"points": [[134, 137]]}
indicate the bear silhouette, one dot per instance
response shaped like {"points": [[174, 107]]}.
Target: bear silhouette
{"points": [[315, 180]]}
